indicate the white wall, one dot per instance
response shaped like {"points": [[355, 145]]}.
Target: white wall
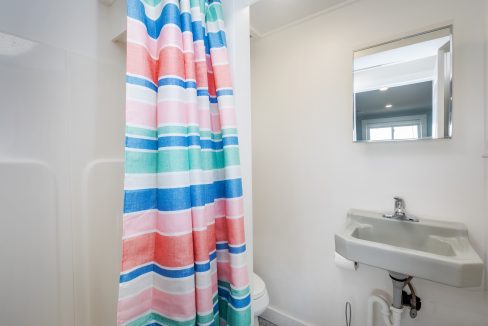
{"points": [[62, 131], [307, 172], [236, 17], [61, 158]]}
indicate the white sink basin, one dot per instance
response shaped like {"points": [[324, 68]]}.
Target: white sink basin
{"points": [[433, 250]]}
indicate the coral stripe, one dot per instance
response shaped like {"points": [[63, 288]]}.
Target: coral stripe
{"points": [[169, 251]]}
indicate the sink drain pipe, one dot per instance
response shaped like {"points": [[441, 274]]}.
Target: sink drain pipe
{"points": [[391, 315]]}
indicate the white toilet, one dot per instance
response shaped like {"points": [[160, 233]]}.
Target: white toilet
{"points": [[260, 297]]}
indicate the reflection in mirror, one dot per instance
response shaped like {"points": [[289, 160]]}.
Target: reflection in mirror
{"points": [[403, 89]]}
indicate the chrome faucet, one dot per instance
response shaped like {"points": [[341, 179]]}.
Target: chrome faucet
{"points": [[399, 212]]}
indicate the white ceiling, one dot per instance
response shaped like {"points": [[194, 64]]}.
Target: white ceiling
{"points": [[271, 15]]}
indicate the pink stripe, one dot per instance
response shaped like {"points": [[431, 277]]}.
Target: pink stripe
{"points": [[177, 112], [238, 277], [200, 52], [228, 117], [219, 56], [142, 114], [209, 64], [219, 208], [181, 306], [170, 35], [188, 42], [201, 217], [234, 207], [204, 299], [214, 281], [176, 222], [215, 119]]}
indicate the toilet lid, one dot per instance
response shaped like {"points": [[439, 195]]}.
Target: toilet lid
{"points": [[258, 287]]}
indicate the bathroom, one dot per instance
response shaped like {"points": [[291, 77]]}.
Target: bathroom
{"points": [[62, 142]]}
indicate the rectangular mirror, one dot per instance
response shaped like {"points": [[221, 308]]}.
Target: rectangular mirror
{"points": [[403, 89]]}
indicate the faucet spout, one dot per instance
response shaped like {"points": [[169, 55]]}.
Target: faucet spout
{"points": [[399, 211]]}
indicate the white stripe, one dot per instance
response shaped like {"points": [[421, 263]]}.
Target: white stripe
{"points": [[166, 284], [154, 263], [180, 179], [215, 26], [141, 126], [177, 93], [226, 102], [235, 260], [168, 234], [141, 94], [155, 12], [140, 136], [140, 150]]}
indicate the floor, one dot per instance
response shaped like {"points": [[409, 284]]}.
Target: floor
{"points": [[264, 322]]}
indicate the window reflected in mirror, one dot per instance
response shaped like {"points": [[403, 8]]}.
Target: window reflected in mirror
{"points": [[402, 89]]}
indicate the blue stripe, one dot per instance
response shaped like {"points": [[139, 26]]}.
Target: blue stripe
{"points": [[169, 15], [222, 246], [230, 141], [141, 143], [224, 92], [202, 92], [213, 99], [199, 268], [173, 273], [185, 21], [166, 81], [237, 250], [198, 31], [236, 303], [171, 81], [232, 250], [140, 200], [174, 199], [141, 82], [179, 141], [217, 40]]}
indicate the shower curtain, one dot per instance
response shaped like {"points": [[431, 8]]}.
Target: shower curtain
{"points": [[183, 250]]}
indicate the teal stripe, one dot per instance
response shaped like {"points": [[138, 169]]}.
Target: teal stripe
{"points": [[214, 12], [189, 130], [155, 317], [141, 162], [178, 160], [141, 132], [178, 130], [232, 316], [229, 131], [205, 319], [233, 292]]}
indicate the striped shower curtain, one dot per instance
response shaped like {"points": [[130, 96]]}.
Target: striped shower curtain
{"points": [[184, 253]]}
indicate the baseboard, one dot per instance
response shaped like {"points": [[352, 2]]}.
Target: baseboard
{"points": [[280, 318]]}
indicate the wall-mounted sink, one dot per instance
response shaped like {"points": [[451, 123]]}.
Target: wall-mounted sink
{"points": [[433, 250]]}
